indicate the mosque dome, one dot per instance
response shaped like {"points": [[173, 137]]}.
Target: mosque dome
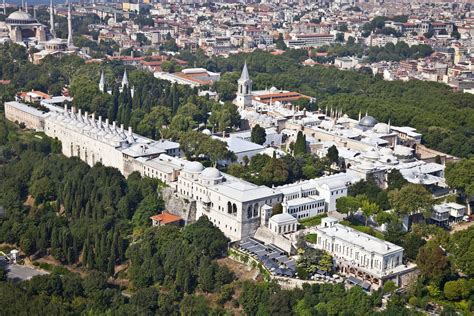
{"points": [[193, 167], [386, 151], [211, 173], [382, 128], [20, 17], [274, 90], [368, 121], [371, 154], [206, 132]]}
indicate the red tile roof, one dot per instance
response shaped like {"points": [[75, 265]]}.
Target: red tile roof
{"points": [[166, 218]]}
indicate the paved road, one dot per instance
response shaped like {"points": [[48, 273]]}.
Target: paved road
{"points": [[20, 273]]}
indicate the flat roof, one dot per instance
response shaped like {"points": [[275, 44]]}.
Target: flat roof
{"points": [[25, 108], [360, 239]]}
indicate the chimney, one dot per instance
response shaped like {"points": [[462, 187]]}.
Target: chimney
{"points": [[113, 125], [65, 107], [129, 131], [106, 122], [121, 128], [100, 121]]}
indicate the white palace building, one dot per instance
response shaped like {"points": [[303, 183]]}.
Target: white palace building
{"points": [[236, 206]]}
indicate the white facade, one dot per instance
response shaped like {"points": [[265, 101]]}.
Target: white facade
{"points": [[232, 204], [91, 140], [316, 196], [244, 91], [282, 224], [22, 113], [362, 252]]}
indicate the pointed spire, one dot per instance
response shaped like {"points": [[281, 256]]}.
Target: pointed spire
{"points": [[125, 79], [102, 82], [4, 8], [51, 19], [26, 6], [69, 26], [245, 73], [34, 11]]}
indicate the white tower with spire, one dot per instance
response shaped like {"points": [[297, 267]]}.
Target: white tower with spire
{"points": [[4, 8], [51, 19], [69, 26], [102, 82], [244, 92], [125, 79]]}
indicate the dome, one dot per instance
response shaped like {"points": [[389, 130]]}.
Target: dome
{"points": [[193, 167], [389, 159], [382, 128], [366, 165], [371, 154], [273, 90], [206, 132], [368, 121], [403, 151], [20, 16], [211, 173], [55, 41], [327, 125], [385, 151]]}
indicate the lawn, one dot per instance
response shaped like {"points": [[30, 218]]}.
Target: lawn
{"points": [[311, 238], [362, 228], [312, 221]]}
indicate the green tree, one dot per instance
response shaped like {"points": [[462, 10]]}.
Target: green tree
{"points": [[460, 175], [258, 135], [333, 154], [300, 144], [368, 209], [432, 261], [348, 205], [411, 199]]}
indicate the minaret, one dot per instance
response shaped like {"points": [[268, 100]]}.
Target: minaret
{"points": [[102, 82], [26, 6], [51, 19], [34, 11], [244, 92], [69, 27], [124, 79], [4, 8]]}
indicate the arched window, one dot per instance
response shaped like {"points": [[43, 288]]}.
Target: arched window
{"points": [[249, 211], [229, 207], [234, 209], [255, 210]]}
